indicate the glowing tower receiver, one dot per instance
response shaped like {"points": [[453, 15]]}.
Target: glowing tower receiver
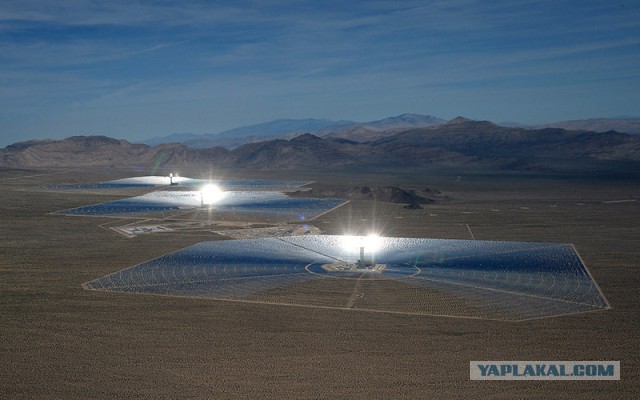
{"points": [[371, 242]]}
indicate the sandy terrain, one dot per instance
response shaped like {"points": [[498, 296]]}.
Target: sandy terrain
{"points": [[60, 341]]}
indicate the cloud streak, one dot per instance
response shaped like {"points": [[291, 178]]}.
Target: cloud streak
{"points": [[87, 61]]}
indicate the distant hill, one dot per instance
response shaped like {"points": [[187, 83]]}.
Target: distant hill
{"points": [[626, 125], [489, 141], [403, 121], [368, 131], [174, 138], [459, 143], [251, 134], [289, 128], [91, 151]]}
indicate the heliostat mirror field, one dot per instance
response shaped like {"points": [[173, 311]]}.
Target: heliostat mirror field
{"points": [[250, 197], [275, 204], [458, 278]]}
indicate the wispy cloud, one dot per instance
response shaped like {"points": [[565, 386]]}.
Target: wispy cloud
{"points": [[289, 57]]}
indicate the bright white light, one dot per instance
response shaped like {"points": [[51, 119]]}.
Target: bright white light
{"points": [[211, 194], [371, 243]]}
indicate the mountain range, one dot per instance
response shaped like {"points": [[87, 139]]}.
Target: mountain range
{"points": [[458, 143], [289, 128], [361, 131]]}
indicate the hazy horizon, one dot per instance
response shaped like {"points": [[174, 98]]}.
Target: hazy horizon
{"points": [[134, 70]]}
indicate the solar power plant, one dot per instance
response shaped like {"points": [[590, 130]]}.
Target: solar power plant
{"points": [[224, 184], [274, 204], [494, 280], [262, 197], [188, 183]]}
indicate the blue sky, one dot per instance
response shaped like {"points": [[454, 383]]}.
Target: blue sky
{"points": [[137, 69]]}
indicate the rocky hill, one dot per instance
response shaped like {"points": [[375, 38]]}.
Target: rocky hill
{"points": [[387, 194]]}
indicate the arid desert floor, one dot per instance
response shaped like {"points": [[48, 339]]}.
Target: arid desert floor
{"points": [[58, 340]]}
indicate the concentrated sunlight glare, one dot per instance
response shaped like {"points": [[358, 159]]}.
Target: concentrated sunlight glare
{"points": [[211, 194], [371, 242]]}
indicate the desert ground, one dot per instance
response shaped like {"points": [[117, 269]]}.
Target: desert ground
{"points": [[58, 340]]}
